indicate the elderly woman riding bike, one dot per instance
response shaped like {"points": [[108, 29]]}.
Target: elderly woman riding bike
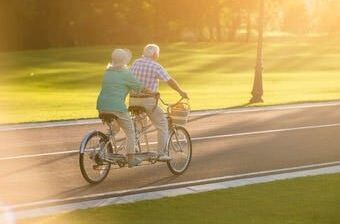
{"points": [[118, 81]]}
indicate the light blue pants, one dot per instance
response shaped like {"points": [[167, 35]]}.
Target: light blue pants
{"points": [[125, 122]]}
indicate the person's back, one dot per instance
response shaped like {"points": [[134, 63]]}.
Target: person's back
{"points": [[115, 87], [149, 72]]}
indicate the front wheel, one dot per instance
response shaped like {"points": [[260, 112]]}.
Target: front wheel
{"points": [[93, 149], [180, 150]]}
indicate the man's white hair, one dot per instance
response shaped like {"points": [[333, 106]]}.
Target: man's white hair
{"points": [[150, 50]]}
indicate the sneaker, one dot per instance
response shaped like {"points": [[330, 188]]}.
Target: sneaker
{"points": [[163, 157], [133, 160]]}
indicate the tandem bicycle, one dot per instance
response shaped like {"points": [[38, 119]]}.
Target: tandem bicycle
{"points": [[100, 151]]}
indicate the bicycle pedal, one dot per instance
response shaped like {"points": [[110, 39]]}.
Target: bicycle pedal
{"points": [[164, 158]]}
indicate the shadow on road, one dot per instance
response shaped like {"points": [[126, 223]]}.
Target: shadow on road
{"points": [[161, 181]]}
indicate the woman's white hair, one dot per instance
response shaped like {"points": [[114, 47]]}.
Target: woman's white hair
{"points": [[150, 50], [120, 58]]}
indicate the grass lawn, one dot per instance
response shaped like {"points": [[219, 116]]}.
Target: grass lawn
{"points": [[311, 200], [58, 84]]}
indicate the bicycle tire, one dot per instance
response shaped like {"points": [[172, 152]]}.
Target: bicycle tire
{"points": [[170, 164], [82, 157]]}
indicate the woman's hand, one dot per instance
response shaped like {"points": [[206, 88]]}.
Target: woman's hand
{"points": [[147, 91]]}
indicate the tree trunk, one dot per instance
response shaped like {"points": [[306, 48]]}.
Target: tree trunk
{"points": [[218, 29], [211, 33], [248, 26]]}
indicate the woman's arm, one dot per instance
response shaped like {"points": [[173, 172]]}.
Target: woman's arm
{"points": [[133, 83]]}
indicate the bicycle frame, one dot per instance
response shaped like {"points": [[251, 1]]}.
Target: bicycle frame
{"points": [[142, 130], [111, 137], [139, 133]]}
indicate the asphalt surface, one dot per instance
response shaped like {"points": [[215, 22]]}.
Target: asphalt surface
{"points": [[248, 141]]}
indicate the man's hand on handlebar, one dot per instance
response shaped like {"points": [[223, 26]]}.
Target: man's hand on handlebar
{"points": [[148, 92], [184, 95]]}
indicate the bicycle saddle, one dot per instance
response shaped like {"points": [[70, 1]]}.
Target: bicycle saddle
{"points": [[107, 117], [137, 109]]}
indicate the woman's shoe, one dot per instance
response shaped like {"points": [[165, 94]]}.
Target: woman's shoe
{"points": [[162, 157]]}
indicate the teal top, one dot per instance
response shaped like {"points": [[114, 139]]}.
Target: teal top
{"points": [[115, 86]]}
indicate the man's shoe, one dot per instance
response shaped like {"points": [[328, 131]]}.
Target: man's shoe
{"points": [[133, 160], [163, 157]]}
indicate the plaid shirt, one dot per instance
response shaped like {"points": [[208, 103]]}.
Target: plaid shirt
{"points": [[149, 72]]}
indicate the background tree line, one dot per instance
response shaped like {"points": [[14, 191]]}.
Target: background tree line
{"points": [[34, 24]]}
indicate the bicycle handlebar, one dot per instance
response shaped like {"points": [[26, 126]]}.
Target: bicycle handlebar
{"points": [[168, 104], [158, 98]]}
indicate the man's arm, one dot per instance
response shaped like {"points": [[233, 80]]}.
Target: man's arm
{"points": [[163, 75], [174, 85]]}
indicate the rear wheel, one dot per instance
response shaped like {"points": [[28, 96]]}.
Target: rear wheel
{"points": [[180, 150], [93, 149]]}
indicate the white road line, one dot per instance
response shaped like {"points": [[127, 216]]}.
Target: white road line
{"points": [[15, 127], [38, 155], [193, 139], [268, 108], [268, 131], [6, 215], [189, 187]]}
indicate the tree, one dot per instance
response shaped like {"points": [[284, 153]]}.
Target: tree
{"points": [[326, 16], [296, 17]]}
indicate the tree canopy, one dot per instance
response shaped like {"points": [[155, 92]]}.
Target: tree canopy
{"points": [[34, 24]]}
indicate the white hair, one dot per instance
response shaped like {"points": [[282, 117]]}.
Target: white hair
{"points": [[150, 50], [120, 58]]}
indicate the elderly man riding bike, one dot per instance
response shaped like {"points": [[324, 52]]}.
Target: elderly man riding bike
{"points": [[148, 71]]}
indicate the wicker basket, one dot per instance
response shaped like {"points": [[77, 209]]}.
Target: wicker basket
{"points": [[179, 113]]}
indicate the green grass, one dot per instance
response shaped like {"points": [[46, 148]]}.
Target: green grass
{"points": [[311, 200], [57, 84]]}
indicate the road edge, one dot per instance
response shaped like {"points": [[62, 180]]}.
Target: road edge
{"points": [[63, 123], [153, 195]]}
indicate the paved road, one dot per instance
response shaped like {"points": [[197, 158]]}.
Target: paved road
{"points": [[240, 142]]}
